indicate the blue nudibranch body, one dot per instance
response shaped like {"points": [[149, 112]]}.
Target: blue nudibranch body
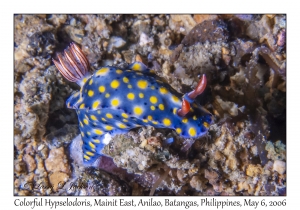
{"points": [[115, 100]]}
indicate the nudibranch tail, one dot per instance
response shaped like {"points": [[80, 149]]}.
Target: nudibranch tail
{"points": [[74, 65], [189, 98]]}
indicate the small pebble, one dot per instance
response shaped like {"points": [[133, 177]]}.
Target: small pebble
{"points": [[279, 166]]}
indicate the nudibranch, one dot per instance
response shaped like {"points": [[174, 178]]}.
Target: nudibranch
{"points": [[114, 100]]}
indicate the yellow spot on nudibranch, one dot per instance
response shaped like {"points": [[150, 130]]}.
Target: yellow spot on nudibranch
{"points": [[98, 131], [163, 90], [136, 67], [101, 89], [130, 96], [90, 93], [137, 110], [115, 102], [124, 120], [103, 119], [86, 157], [161, 106], [194, 117], [125, 79], [205, 124], [145, 121], [153, 99], [155, 122], [150, 117], [152, 108], [119, 71], [91, 81], [81, 124], [175, 99], [167, 122], [102, 71], [129, 86], [88, 133], [107, 95], [185, 120], [86, 121], [152, 87], [93, 117], [98, 112], [97, 141], [124, 115], [142, 84], [141, 95], [84, 80], [121, 125], [82, 134], [95, 104], [92, 145], [81, 106], [178, 130], [192, 131], [175, 111], [115, 84], [108, 127], [108, 115], [90, 153]]}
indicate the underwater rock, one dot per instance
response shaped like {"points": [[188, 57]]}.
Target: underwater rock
{"points": [[57, 19], [202, 51], [225, 107], [128, 56], [57, 161], [197, 183], [115, 42], [97, 24], [276, 151], [279, 166], [145, 40], [141, 26], [30, 162], [182, 23], [201, 18], [41, 44], [58, 179], [75, 34], [134, 155], [62, 137], [253, 170], [209, 30], [20, 167]]}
